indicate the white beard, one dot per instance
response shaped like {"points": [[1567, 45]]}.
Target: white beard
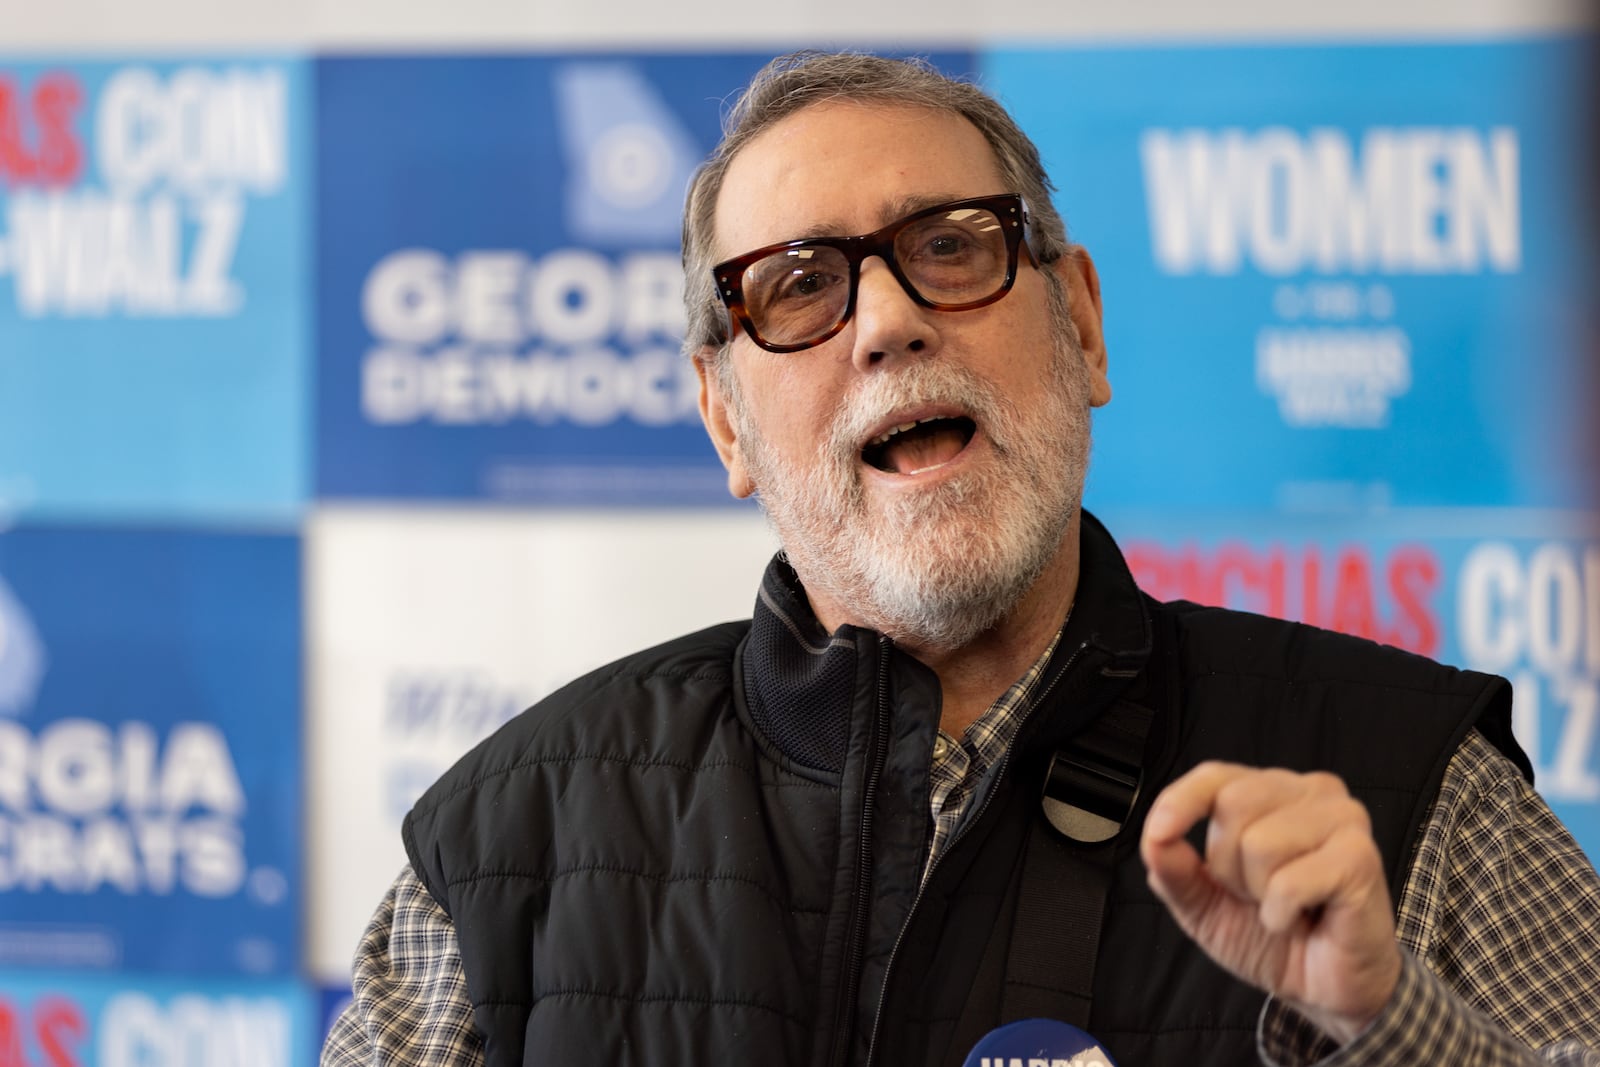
{"points": [[939, 567]]}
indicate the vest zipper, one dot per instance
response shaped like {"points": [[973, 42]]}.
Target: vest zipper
{"points": [[968, 821], [861, 903]]}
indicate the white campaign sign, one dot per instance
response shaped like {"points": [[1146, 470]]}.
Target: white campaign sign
{"points": [[426, 630]]}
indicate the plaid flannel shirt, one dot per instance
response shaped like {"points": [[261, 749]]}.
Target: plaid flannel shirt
{"points": [[1499, 922]]}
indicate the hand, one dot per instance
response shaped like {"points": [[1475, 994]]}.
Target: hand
{"points": [[1291, 895]]}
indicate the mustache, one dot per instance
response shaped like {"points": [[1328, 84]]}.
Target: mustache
{"points": [[926, 382]]}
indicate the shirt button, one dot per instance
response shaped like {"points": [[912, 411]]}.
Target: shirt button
{"points": [[941, 747]]}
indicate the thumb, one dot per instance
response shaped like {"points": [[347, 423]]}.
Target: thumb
{"points": [[1176, 873]]}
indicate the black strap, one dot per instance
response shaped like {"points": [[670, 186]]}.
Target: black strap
{"points": [[1089, 793]]}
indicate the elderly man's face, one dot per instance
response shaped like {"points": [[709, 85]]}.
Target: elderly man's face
{"points": [[932, 534]]}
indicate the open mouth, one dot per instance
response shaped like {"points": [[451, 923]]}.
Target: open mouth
{"points": [[918, 446]]}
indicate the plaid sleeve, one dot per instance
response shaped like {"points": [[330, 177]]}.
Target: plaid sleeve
{"points": [[1500, 923], [410, 1005]]}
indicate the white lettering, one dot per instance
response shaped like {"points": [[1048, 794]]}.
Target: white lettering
{"points": [[16, 747], [193, 1031], [74, 767], [197, 130], [84, 806], [108, 856], [405, 297], [652, 284], [207, 284], [1542, 609], [1489, 606], [1555, 608], [83, 253], [571, 298], [1421, 200], [1333, 376], [1573, 773], [204, 854], [138, 766], [489, 297], [591, 387]]}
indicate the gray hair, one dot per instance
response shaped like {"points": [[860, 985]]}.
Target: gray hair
{"points": [[793, 82]]}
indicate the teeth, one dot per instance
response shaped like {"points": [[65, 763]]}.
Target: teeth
{"points": [[884, 437]]}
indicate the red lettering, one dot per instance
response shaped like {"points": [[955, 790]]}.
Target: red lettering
{"points": [[1197, 580], [1148, 563], [15, 163], [1311, 587], [1413, 577], [49, 115], [1278, 582], [10, 1037], [56, 100], [1354, 609], [1277, 604], [1257, 580], [1236, 563], [62, 1029]]}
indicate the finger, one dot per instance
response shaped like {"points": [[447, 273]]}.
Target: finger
{"points": [[1245, 859], [1178, 878], [1176, 872], [1345, 873], [1264, 819], [1186, 800]]}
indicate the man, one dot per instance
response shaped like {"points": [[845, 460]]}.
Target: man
{"points": [[810, 838]]}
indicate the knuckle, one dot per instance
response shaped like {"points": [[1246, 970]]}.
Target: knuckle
{"points": [[1357, 817], [1326, 783], [1256, 841]]}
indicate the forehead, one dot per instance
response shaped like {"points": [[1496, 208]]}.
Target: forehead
{"points": [[846, 168]]}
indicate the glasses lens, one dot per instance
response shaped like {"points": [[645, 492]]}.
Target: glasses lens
{"points": [[955, 257], [797, 295]]}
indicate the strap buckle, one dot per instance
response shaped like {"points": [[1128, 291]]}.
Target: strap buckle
{"points": [[1089, 795]]}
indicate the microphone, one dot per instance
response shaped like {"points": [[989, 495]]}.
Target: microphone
{"points": [[1038, 1043]]}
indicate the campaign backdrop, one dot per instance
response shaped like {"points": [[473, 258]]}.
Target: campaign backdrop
{"points": [[72, 1020], [501, 291], [1334, 277], [154, 288], [428, 630], [424, 312], [150, 750], [1352, 348], [1509, 592]]}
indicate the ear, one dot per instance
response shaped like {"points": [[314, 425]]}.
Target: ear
{"points": [[1077, 272], [719, 423]]}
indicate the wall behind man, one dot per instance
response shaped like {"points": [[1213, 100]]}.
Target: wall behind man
{"points": [[340, 416]]}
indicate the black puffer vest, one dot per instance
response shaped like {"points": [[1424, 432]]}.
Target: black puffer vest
{"points": [[710, 852]]}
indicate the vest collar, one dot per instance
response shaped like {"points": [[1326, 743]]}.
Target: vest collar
{"points": [[800, 681]]}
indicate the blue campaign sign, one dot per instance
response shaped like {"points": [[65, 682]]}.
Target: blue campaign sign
{"points": [[154, 288], [1506, 592], [1333, 276], [501, 297], [63, 1020], [150, 774]]}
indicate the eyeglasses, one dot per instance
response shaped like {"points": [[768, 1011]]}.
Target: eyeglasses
{"points": [[953, 257]]}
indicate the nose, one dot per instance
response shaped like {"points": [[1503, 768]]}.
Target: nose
{"points": [[888, 323]]}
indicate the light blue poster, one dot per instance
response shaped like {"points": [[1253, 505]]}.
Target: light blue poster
{"points": [[1335, 277], [154, 288], [64, 1020]]}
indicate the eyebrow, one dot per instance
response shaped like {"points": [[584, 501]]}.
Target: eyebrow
{"points": [[891, 210]]}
